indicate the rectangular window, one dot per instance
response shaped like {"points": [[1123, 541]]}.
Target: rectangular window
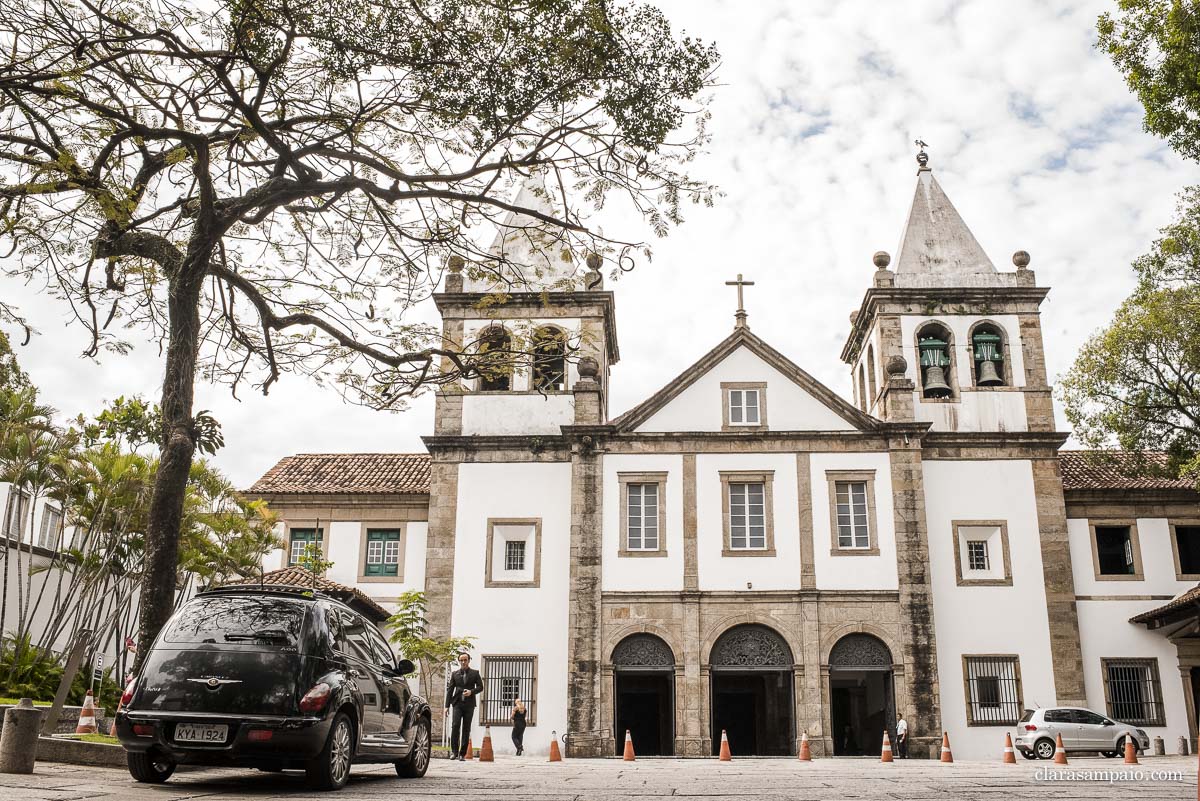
{"points": [[1133, 692], [977, 555], [1114, 551], [16, 513], [514, 555], [743, 407], [851, 501], [51, 527], [747, 516], [383, 552], [642, 521], [1187, 550], [505, 679], [993, 690], [298, 539]]}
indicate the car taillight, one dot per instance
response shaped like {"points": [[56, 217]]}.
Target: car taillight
{"points": [[1030, 727], [315, 699], [143, 729], [262, 735], [127, 696]]}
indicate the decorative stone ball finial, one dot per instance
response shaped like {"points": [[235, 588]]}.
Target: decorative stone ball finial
{"points": [[1021, 259], [589, 368], [897, 366], [593, 279], [594, 261], [881, 259], [456, 263], [854, 317]]}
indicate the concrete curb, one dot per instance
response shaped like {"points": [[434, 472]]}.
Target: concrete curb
{"points": [[77, 752]]}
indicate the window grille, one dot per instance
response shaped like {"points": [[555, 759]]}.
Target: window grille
{"points": [[977, 555], [743, 407], [747, 516], [301, 537], [383, 553], [643, 517], [993, 690], [505, 679], [853, 531], [514, 555], [1133, 691], [51, 526]]}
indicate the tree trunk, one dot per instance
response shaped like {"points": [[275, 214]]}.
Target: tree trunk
{"points": [[157, 597]]}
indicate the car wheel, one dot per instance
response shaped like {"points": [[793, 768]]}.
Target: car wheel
{"points": [[1121, 748], [416, 763], [148, 767], [1044, 748], [1029, 755], [330, 769]]}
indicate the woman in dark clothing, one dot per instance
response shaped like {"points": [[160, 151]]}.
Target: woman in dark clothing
{"points": [[518, 725]]}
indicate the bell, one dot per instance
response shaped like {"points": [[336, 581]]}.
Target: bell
{"points": [[935, 383], [987, 375]]}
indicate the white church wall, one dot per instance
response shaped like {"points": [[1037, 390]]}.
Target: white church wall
{"points": [[501, 413], [853, 572], [1156, 555], [789, 407], [986, 620], [513, 621], [975, 409], [642, 572], [1105, 634], [717, 572]]}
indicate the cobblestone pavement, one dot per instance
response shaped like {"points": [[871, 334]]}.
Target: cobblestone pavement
{"points": [[599, 780]]}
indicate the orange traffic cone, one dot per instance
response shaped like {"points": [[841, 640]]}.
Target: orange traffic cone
{"points": [[629, 755], [885, 755], [1060, 753], [485, 751], [725, 757], [947, 756], [87, 716], [112, 727], [555, 756], [1010, 757], [1130, 752], [805, 754], [470, 750]]}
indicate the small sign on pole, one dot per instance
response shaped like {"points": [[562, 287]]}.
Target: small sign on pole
{"points": [[98, 673]]}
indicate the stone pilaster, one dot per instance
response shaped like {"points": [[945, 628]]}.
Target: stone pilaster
{"points": [[691, 571], [1039, 402], [918, 640], [1061, 612], [584, 725], [448, 406], [811, 711], [439, 547], [808, 570], [691, 732]]}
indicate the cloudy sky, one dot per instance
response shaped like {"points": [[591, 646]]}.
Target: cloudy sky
{"points": [[1032, 134]]}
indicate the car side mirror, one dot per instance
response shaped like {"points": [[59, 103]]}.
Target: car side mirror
{"points": [[1109, 722], [404, 667]]}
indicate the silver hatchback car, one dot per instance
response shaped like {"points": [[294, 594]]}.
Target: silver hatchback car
{"points": [[1081, 730]]}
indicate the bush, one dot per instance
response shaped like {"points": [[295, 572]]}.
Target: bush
{"points": [[30, 672]]}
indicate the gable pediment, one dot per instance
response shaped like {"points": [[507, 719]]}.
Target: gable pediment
{"points": [[695, 400]]}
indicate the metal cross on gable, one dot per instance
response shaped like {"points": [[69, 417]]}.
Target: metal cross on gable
{"points": [[741, 311]]}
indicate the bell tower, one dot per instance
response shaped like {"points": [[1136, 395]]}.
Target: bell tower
{"points": [[944, 337]]}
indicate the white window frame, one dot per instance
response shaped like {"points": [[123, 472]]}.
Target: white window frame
{"points": [[743, 405]]}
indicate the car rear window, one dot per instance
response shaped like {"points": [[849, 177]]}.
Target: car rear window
{"points": [[238, 619], [1028, 716]]}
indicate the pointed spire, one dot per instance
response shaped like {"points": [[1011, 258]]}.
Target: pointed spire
{"points": [[538, 249], [937, 247]]}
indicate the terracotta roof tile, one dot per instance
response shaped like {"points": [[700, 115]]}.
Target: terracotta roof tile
{"points": [[296, 576], [1116, 470], [318, 473], [1188, 598]]}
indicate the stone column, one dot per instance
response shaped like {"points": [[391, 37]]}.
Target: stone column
{"points": [[439, 548], [1039, 403], [448, 406], [812, 711], [584, 647], [690, 699], [919, 649]]}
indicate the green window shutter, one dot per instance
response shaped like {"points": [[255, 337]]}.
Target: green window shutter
{"points": [[383, 553], [300, 537]]}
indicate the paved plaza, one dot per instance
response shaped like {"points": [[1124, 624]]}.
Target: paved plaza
{"points": [[511, 778]]}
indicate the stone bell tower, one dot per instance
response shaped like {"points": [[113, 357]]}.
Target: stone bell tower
{"points": [[944, 337]]}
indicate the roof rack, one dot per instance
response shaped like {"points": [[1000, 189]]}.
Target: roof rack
{"points": [[266, 589]]}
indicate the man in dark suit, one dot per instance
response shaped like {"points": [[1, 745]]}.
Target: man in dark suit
{"points": [[464, 687]]}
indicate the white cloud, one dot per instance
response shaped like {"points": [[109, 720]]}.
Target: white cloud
{"points": [[1032, 133]]}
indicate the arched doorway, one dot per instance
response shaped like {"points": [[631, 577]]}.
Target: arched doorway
{"points": [[862, 701], [752, 682], [644, 693]]}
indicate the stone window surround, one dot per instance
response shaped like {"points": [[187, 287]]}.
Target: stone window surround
{"points": [[400, 526], [761, 386], [536, 552], [1155, 683], [764, 477], [1172, 525], [1134, 543], [530, 703], [955, 525], [311, 523], [952, 374], [623, 481], [832, 477], [1016, 660]]}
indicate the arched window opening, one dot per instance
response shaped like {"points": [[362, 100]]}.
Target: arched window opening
{"points": [[495, 359], [871, 376], [862, 388], [934, 346], [987, 349], [549, 358]]}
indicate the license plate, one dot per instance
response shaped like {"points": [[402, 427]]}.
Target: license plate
{"points": [[201, 733]]}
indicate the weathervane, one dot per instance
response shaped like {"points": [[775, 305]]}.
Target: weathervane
{"points": [[741, 311], [922, 156]]}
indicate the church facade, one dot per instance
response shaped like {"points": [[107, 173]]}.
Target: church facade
{"points": [[747, 551]]}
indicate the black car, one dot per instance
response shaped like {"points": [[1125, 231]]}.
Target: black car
{"points": [[272, 678]]}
